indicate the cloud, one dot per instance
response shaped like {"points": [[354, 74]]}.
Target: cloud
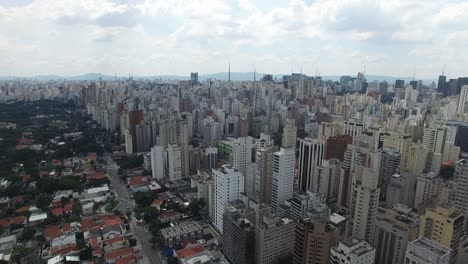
{"points": [[178, 36]]}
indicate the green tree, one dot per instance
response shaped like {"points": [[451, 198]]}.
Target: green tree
{"points": [[447, 171], [28, 233], [43, 201]]}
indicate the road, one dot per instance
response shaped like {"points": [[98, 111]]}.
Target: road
{"points": [[140, 231]]}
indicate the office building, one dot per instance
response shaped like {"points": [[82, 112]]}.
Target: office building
{"points": [[352, 251], [282, 188], [311, 153], [395, 228], [463, 100], [228, 184]]}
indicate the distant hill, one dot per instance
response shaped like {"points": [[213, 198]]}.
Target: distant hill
{"points": [[235, 76]]}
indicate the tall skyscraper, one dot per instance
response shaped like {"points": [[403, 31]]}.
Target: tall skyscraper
{"points": [[365, 203], [311, 153], [228, 184], [283, 177], [417, 156], [395, 228], [352, 251], [442, 84]]}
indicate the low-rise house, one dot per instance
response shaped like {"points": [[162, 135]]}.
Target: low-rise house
{"points": [[126, 253], [169, 216], [115, 243]]}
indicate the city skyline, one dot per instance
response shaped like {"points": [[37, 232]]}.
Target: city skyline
{"points": [[397, 38]]}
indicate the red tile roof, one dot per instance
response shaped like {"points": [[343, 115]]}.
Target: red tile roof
{"points": [[119, 253], [126, 260], [188, 252], [51, 232]]}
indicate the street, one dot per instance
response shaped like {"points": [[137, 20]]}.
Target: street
{"points": [[126, 204]]}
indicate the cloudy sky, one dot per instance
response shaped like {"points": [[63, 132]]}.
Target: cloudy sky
{"points": [[152, 37]]}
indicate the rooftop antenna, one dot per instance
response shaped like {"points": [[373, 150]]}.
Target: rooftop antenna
{"points": [[301, 69], [255, 72], [229, 72], [364, 73], [443, 70], [414, 73]]}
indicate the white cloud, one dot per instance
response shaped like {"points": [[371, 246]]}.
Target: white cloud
{"points": [[177, 36]]}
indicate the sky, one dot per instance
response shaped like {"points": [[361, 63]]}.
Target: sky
{"points": [[156, 37]]}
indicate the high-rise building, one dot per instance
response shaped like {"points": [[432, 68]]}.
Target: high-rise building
{"points": [[289, 134], [328, 179], [209, 157], [460, 197], [274, 239], [352, 251], [157, 162], [400, 142], [462, 101], [434, 139], [283, 177], [443, 225], [303, 203], [336, 146], [241, 154], [311, 153], [395, 228], [263, 174], [228, 184], [417, 156], [194, 77], [353, 128], [426, 251], [173, 166], [365, 203], [389, 166], [430, 189], [401, 189], [144, 137], [314, 239], [239, 235], [442, 84]]}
